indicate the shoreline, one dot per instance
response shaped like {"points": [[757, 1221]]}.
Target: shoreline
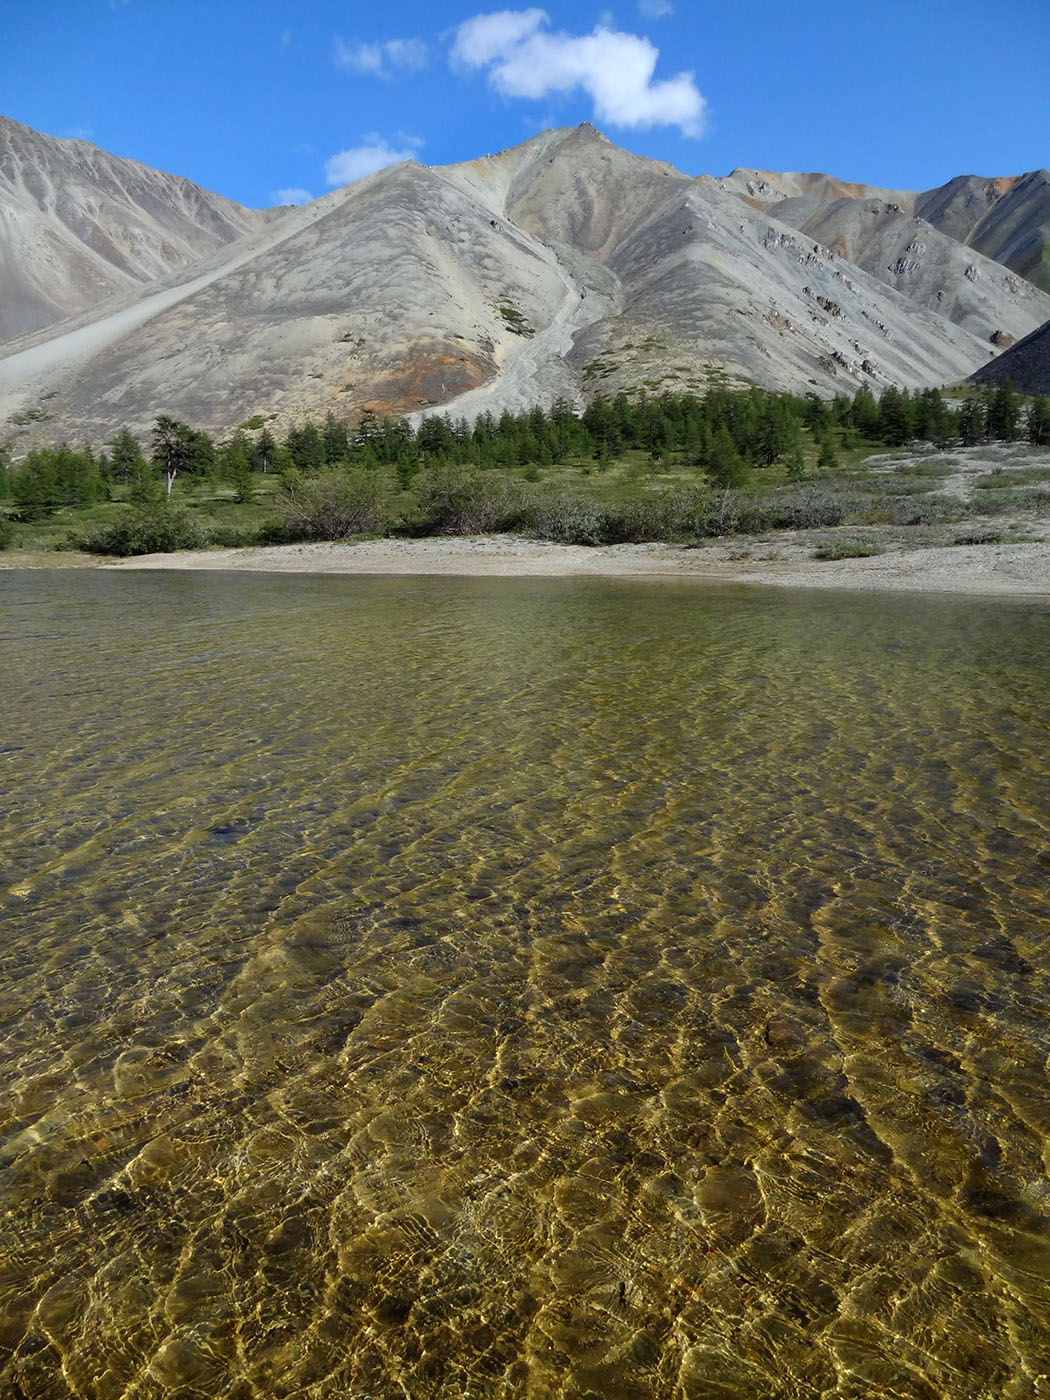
{"points": [[1005, 569]]}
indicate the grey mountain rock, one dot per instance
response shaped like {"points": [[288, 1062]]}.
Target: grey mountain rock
{"points": [[78, 225], [1026, 364], [1006, 219], [564, 267]]}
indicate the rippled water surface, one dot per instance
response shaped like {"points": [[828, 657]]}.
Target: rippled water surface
{"points": [[482, 988]]}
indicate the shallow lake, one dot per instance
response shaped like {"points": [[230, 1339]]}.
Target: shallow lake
{"points": [[489, 988]]}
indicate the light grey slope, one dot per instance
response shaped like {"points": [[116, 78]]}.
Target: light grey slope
{"points": [[1005, 219], [398, 291], [77, 225], [715, 283], [763, 189], [585, 192], [927, 266], [703, 286]]}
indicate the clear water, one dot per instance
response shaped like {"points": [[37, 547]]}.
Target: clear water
{"points": [[478, 988]]}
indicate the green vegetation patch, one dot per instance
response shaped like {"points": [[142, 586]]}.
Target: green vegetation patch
{"points": [[848, 548], [514, 320]]}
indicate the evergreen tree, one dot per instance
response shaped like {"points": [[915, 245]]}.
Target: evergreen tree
{"points": [[827, 453], [896, 424], [125, 457], [1003, 412], [972, 423], [866, 416], [236, 467], [263, 452], [336, 440], [173, 448], [724, 465], [305, 448], [1038, 426]]}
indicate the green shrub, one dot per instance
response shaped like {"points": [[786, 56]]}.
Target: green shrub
{"points": [[455, 500], [7, 532], [565, 519], [654, 516], [813, 506], [234, 537], [979, 537], [935, 508], [332, 505], [148, 529], [855, 548]]}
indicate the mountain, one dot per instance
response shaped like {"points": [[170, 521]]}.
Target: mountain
{"points": [[563, 267], [1026, 364], [1006, 219], [77, 225]]}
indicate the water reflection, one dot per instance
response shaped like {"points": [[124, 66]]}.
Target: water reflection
{"points": [[486, 988]]}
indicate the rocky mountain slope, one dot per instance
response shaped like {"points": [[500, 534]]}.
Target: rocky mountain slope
{"points": [[77, 225], [1006, 220], [562, 267], [1026, 364]]}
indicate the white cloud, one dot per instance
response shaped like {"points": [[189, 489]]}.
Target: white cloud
{"points": [[485, 38], [374, 153], [292, 196], [383, 58], [525, 59], [655, 9]]}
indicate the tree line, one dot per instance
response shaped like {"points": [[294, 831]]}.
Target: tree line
{"points": [[724, 434]]}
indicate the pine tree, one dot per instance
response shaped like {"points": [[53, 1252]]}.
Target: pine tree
{"points": [[173, 447], [724, 465], [125, 459], [827, 453], [1039, 421], [1003, 412], [972, 423]]}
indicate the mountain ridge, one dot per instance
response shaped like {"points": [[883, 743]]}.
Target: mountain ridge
{"points": [[78, 225], [563, 267]]}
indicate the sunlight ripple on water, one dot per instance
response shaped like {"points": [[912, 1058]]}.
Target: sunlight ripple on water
{"points": [[447, 988]]}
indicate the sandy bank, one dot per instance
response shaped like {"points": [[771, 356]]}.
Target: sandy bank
{"points": [[1008, 569]]}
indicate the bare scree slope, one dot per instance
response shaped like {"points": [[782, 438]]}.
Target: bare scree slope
{"points": [[562, 267]]}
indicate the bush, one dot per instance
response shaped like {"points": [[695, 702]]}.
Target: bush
{"points": [[979, 537], [453, 500], [565, 519], [148, 529], [332, 505], [854, 548], [810, 507], [932, 509], [7, 531]]}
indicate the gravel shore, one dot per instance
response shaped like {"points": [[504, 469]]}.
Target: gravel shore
{"points": [[1006, 569]]}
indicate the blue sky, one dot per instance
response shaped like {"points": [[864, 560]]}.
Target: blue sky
{"points": [[263, 100]]}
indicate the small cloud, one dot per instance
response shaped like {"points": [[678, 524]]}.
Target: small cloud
{"points": [[382, 59], [485, 38], [292, 196], [655, 9], [525, 59], [374, 153]]}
